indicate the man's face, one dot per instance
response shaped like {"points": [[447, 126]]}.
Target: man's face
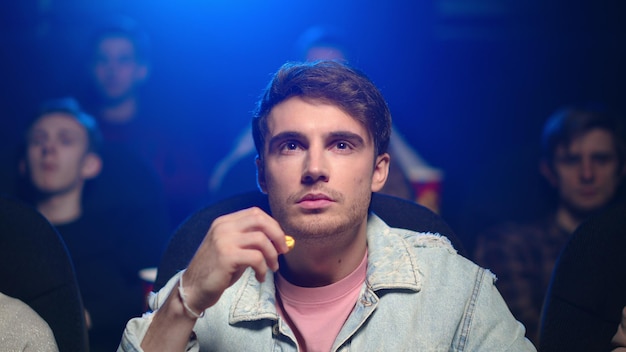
{"points": [[319, 169], [56, 151], [116, 69], [587, 172]]}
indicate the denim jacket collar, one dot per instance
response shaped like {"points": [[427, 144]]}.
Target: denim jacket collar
{"points": [[255, 300]]}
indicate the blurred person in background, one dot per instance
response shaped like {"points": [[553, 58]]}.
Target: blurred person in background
{"points": [[139, 123], [583, 161], [108, 247]]}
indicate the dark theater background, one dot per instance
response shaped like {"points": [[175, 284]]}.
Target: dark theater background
{"points": [[469, 82]]}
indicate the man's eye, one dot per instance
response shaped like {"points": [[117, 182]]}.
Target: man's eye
{"points": [[603, 159], [342, 145], [126, 59], [571, 160], [67, 140], [290, 146], [37, 139]]}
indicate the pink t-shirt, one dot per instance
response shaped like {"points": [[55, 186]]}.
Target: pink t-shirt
{"points": [[316, 314]]}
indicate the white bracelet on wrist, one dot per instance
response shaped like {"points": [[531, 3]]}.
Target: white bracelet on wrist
{"points": [[183, 299]]}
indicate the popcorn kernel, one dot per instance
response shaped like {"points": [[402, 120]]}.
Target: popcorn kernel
{"points": [[291, 242]]}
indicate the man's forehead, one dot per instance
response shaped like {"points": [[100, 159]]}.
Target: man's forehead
{"points": [[595, 140], [61, 120], [314, 103], [297, 133]]}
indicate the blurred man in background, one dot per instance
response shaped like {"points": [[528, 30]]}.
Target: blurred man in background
{"points": [[583, 160], [140, 125], [108, 246]]}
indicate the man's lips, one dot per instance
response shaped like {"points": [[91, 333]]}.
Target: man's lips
{"points": [[48, 167], [587, 192], [317, 200], [314, 197]]}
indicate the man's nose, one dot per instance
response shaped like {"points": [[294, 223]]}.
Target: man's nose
{"points": [[110, 66], [315, 167], [587, 171], [48, 147]]}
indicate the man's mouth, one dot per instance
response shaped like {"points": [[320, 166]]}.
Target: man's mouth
{"points": [[315, 201], [48, 167], [589, 192]]}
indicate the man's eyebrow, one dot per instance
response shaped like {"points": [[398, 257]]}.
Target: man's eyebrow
{"points": [[603, 153], [351, 136], [36, 132], [283, 136], [69, 131], [345, 135]]}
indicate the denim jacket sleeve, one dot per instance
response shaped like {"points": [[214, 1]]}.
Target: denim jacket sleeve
{"points": [[487, 324], [137, 327]]}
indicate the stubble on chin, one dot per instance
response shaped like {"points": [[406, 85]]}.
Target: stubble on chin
{"points": [[318, 225]]}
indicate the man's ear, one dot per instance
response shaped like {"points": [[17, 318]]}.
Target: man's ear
{"points": [[92, 165], [260, 175], [381, 172], [548, 173]]}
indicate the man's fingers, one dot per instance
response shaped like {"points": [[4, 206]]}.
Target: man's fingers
{"points": [[259, 241], [236, 241], [252, 220]]}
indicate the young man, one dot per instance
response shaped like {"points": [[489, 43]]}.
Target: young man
{"points": [[108, 247], [61, 154], [584, 162], [351, 283], [410, 176], [145, 126], [119, 66]]}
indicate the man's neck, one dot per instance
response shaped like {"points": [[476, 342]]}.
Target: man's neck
{"points": [[121, 111], [61, 208], [320, 265], [567, 220]]}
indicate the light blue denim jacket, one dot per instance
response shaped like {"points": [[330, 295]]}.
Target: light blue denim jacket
{"points": [[419, 295]]}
